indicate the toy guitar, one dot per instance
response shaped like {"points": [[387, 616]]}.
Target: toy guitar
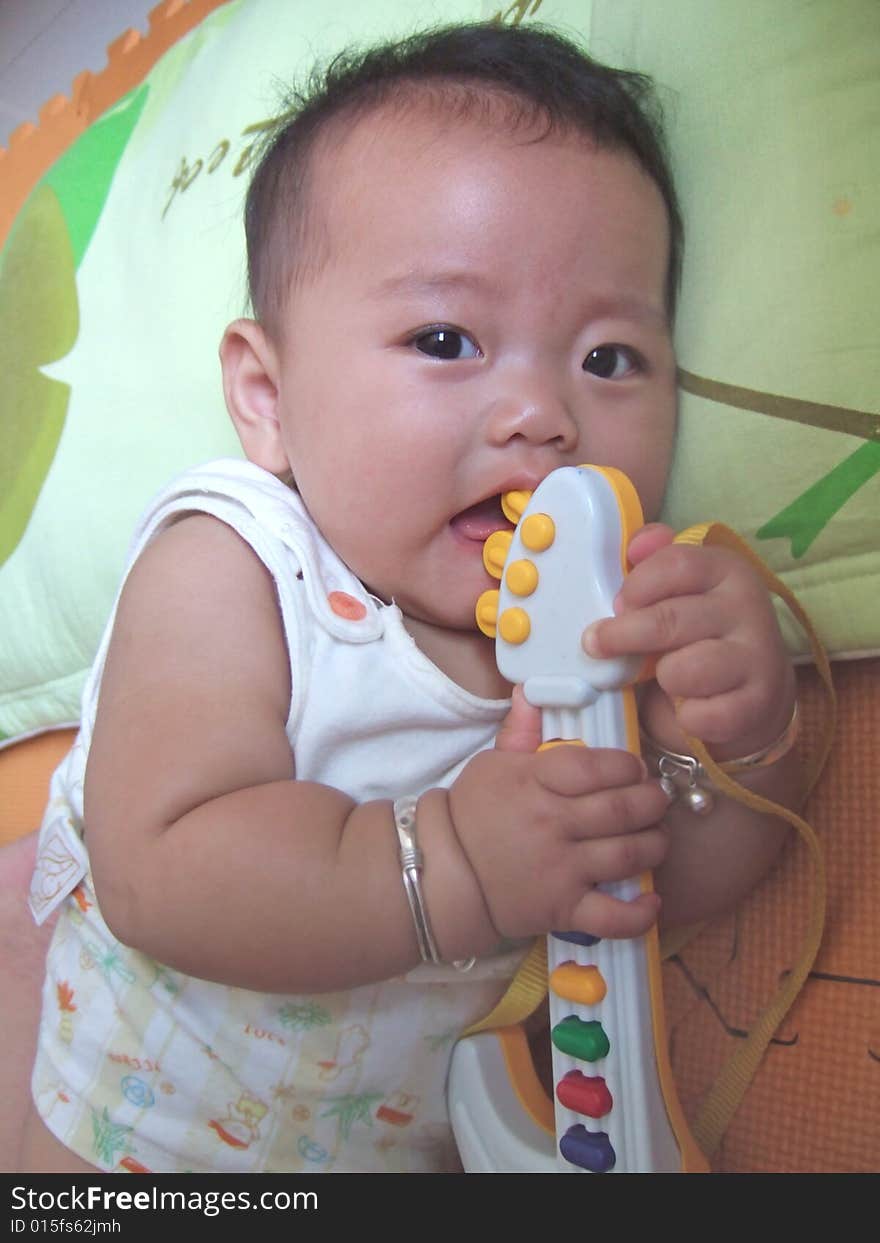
{"points": [[616, 1106]]}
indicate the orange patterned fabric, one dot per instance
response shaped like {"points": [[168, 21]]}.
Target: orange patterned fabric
{"points": [[814, 1104]]}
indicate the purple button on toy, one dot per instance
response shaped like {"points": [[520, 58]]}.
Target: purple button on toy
{"points": [[591, 1150]]}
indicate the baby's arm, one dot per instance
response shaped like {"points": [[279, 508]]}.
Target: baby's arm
{"points": [[724, 676], [206, 853], [210, 856]]}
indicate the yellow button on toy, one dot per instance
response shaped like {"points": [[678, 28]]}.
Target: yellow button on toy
{"points": [[486, 612], [514, 625], [582, 985], [522, 577], [538, 532], [495, 551], [513, 504]]}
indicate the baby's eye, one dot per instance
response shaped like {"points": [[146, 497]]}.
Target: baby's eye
{"points": [[610, 362], [446, 343]]}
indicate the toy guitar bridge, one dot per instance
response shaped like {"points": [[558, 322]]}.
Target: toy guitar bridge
{"points": [[616, 1106]]}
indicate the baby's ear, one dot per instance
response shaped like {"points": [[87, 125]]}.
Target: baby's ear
{"points": [[250, 385]]}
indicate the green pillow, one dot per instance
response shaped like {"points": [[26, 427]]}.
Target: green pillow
{"points": [[117, 279], [127, 260], [776, 146]]}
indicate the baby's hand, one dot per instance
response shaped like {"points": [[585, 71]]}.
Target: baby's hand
{"points": [[708, 618], [542, 829]]}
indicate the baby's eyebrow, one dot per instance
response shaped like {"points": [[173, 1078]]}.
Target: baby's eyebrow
{"points": [[616, 304], [624, 305], [417, 281]]}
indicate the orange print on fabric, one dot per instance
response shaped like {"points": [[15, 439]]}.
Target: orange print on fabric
{"points": [[398, 1109], [79, 895], [133, 1167], [64, 993], [232, 1140], [396, 1117]]}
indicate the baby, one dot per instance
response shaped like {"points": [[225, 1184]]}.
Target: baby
{"points": [[464, 252]]}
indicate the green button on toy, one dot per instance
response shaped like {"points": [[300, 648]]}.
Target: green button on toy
{"points": [[584, 1040]]}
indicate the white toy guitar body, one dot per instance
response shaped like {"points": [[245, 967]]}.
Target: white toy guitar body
{"points": [[616, 1106]]}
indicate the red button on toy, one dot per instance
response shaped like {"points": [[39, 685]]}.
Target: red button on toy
{"points": [[584, 1094]]}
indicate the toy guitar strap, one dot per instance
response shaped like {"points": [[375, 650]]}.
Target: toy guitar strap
{"points": [[616, 1106]]}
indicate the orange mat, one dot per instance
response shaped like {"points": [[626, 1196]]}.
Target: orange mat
{"points": [[25, 769], [814, 1104]]}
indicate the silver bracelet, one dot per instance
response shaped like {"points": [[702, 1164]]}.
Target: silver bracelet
{"points": [[412, 863], [683, 776]]}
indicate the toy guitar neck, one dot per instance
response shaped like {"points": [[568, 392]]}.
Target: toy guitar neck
{"points": [[616, 1106]]}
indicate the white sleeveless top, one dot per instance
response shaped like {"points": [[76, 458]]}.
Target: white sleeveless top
{"points": [[141, 1067]]}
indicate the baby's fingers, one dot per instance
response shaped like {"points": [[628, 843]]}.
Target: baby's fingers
{"points": [[601, 915], [675, 570], [571, 770], [649, 540], [521, 728], [666, 626], [614, 814], [611, 859]]}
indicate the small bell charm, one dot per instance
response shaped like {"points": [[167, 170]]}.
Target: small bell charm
{"points": [[695, 797], [698, 800]]}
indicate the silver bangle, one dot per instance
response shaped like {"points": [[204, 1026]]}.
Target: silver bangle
{"points": [[412, 862], [683, 776]]}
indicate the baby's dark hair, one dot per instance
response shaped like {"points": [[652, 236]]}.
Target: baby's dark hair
{"points": [[538, 74]]}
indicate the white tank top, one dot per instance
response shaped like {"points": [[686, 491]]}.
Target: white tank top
{"points": [[142, 1067]]}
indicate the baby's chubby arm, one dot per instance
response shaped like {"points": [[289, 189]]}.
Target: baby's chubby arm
{"points": [[723, 675], [206, 853], [210, 856]]}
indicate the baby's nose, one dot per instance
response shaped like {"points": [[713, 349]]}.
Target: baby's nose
{"points": [[536, 412]]}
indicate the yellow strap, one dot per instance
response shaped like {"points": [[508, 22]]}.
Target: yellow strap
{"points": [[733, 1080], [529, 986], [524, 994]]}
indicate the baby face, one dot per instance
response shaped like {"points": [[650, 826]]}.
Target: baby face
{"points": [[493, 307]]}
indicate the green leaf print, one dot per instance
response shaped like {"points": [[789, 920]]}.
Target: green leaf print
{"points": [[807, 516], [109, 1137], [39, 308], [304, 1015], [351, 1109], [39, 322], [81, 177]]}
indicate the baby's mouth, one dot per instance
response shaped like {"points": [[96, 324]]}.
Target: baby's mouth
{"points": [[479, 521]]}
